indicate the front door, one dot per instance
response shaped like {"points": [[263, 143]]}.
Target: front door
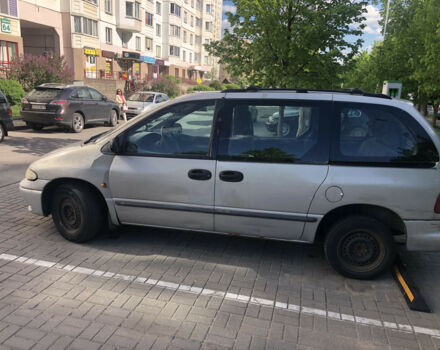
{"points": [[165, 174], [272, 158], [101, 109]]}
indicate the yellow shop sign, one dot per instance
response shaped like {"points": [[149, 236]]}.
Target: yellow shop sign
{"points": [[92, 52]]}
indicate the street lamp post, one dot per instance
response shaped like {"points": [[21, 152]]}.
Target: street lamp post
{"points": [[386, 19]]}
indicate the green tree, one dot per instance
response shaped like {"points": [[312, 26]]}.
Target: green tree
{"points": [[287, 43]]}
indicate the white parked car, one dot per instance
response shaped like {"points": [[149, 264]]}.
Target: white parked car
{"points": [[360, 173], [144, 101]]}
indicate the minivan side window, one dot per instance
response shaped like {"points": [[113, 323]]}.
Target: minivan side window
{"points": [[183, 129], [275, 131], [382, 136]]}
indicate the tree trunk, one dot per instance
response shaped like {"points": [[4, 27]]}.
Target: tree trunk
{"points": [[434, 114]]}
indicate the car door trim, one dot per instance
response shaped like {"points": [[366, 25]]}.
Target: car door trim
{"points": [[219, 210]]}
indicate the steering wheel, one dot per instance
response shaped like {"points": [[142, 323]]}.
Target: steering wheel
{"points": [[168, 142]]}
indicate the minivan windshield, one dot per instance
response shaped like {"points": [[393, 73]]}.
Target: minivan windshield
{"points": [[44, 93], [142, 97]]}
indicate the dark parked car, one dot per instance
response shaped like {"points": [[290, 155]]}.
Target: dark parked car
{"points": [[290, 124], [70, 106], [5, 116]]}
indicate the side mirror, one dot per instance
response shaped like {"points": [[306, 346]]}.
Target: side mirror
{"points": [[116, 145], [104, 98]]}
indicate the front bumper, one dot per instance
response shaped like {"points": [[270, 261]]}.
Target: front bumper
{"points": [[46, 118], [423, 235], [32, 192]]}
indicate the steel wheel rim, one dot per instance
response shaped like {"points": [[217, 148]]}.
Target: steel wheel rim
{"points": [[77, 122], [114, 117], [70, 214], [361, 251]]}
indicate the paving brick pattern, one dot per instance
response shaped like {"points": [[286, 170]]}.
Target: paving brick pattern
{"points": [[48, 308]]}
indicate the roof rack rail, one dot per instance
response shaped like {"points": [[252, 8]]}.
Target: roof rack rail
{"points": [[354, 91]]}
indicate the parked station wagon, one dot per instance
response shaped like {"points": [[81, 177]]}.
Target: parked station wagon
{"points": [[359, 174]]}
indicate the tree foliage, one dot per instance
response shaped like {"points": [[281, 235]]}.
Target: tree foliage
{"points": [[287, 43], [168, 85], [31, 71], [12, 90]]}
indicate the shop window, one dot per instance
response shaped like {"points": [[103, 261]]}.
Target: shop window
{"points": [[8, 53], [148, 44], [91, 67], [149, 19], [108, 68], [108, 35]]}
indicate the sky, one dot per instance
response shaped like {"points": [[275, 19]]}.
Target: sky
{"points": [[372, 32]]}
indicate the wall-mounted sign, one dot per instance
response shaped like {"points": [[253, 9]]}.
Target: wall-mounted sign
{"points": [[130, 55], [6, 25], [92, 52], [108, 54], [148, 59], [160, 62]]}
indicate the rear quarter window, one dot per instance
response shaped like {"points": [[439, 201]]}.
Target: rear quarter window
{"points": [[376, 135]]}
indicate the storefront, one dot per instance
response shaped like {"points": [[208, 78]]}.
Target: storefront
{"points": [[11, 43], [149, 62], [108, 58], [161, 68], [91, 56], [131, 70]]}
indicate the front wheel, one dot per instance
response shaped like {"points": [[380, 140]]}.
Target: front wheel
{"points": [[113, 117], [360, 247], [77, 212]]}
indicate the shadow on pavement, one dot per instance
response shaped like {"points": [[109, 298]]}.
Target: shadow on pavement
{"points": [[37, 145]]}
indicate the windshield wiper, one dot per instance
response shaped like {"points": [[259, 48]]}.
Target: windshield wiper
{"points": [[95, 137]]}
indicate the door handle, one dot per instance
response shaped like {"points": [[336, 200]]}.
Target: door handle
{"points": [[231, 176], [199, 174]]}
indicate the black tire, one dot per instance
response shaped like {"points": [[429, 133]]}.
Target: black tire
{"points": [[77, 123], [360, 247], [2, 132], [113, 118], [35, 126], [77, 212]]}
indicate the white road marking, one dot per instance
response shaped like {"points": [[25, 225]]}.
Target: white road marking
{"points": [[225, 295]]}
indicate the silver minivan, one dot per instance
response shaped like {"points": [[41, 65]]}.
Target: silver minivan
{"points": [[358, 172]]}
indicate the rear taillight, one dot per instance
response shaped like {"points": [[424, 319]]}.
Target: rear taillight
{"points": [[58, 102], [437, 205], [10, 112]]}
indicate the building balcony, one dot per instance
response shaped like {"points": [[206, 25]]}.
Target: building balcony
{"points": [[130, 21]]}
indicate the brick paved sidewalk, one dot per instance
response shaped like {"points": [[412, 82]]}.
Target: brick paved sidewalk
{"points": [[149, 288]]}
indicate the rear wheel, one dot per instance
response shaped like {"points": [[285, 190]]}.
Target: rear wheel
{"points": [[77, 122], [359, 247], [77, 212], [2, 132], [113, 117]]}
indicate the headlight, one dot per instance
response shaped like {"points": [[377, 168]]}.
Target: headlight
{"points": [[31, 175]]}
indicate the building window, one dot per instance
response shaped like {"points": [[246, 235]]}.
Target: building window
{"points": [[85, 26], [108, 6], [8, 53], [158, 8], [190, 57], [191, 39], [137, 10], [176, 72], [192, 21], [148, 44], [138, 43], [197, 57], [208, 26], [198, 22], [205, 60], [198, 39], [184, 36], [199, 5], [175, 9], [192, 3], [108, 35], [184, 55], [149, 19], [174, 30], [185, 17], [208, 8], [124, 38], [174, 51], [158, 29], [93, 1], [4, 7], [206, 41], [183, 73], [128, 9], [158, 51]]}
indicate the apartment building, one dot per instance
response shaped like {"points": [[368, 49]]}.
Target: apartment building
{"points": [[132, 40]]}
